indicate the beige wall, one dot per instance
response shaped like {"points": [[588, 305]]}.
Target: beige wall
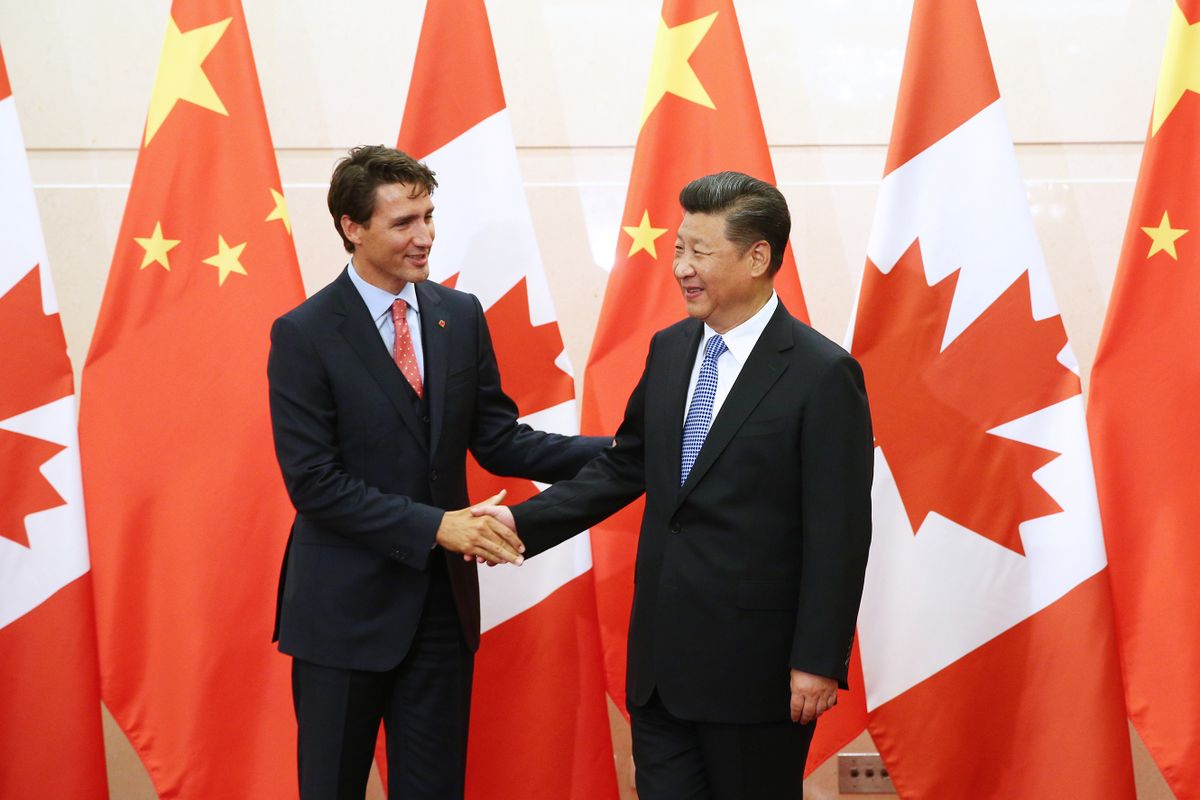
{"points": [[1077, 77]]}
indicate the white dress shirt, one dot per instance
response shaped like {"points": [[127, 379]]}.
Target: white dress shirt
{"points": [[379, 306], [739, 340]]}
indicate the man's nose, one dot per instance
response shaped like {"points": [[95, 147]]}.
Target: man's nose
{"points": [[683, 267], [423, 236]]}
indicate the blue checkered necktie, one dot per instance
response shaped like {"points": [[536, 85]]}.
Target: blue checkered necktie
{"points": [[699, 416]]}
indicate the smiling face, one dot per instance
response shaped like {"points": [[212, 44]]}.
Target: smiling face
{"points": [[392, 248], [723, 284]]}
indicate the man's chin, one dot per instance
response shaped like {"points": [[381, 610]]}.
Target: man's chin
{"points": [[696, 309]]}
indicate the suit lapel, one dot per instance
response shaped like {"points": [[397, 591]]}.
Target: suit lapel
{"points": [[435, 343], [762, 369], [359, 331]]}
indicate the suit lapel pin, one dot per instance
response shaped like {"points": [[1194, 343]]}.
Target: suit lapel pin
{"points": [[441, 323]]}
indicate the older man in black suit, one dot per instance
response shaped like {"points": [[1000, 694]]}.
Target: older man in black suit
{"points": [[750, 435], [380, 384]]}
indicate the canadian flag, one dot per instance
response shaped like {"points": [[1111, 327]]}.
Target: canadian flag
{"points": [[986, 628], [51, 744], [539, 682]]}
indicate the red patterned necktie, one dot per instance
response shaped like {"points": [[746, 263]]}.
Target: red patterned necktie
{"points": [[403, 352]]}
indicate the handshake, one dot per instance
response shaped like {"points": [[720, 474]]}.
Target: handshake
{"points": [[485, 532]]}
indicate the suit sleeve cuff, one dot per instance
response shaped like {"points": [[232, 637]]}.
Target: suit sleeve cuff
{"points": [[419, 539]]}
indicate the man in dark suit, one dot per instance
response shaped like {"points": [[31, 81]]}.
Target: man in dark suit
{"points": [[750, 435], [379, 385]]}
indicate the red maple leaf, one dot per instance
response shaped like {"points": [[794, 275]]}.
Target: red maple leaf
{"points": [[24, 489], [526, 352], [931, 409], [33, 359], [36, 371]]}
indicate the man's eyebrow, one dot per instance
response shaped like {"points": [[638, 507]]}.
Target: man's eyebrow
{"points": [[414, 215]]}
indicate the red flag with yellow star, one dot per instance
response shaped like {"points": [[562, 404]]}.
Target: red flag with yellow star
{"points": [[700, 116], [51, 742], [1144, 426], [185, 504]]}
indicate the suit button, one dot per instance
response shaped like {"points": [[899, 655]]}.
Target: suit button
{"points": [[425, 419], [433, 475], [675, 527]]}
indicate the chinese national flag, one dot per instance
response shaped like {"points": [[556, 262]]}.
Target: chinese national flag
{"points": [[986, 625], [1144, 425], [700, 116], [538, 621], [185, 504], [51, 744]]}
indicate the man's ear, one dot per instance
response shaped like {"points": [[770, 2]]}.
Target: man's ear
{"points": [[760, 258], [351, 229]]}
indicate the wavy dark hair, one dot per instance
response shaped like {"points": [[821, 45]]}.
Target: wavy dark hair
{"points": [[363, 170]]}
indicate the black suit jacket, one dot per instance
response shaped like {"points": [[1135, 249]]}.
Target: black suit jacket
{"points": [[370, 471], [755, 565]]}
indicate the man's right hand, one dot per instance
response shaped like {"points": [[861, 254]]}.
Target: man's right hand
{"points": [[480, 536], [502, 514]]}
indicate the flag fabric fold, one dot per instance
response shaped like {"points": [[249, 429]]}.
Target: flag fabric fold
{"points": [[51, 742], [985, 633], [187, 509], [1142, 419], [539, 681]]}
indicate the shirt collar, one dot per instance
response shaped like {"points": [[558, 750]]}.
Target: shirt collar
{"points": [[741, 339], [379, 301]]}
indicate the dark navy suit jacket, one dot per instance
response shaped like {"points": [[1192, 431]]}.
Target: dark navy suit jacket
{"points": [[370, 470]]}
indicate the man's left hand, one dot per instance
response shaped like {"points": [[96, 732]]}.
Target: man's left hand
{"points": [[812, 696]]}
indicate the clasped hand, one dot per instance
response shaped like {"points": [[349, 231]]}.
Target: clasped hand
{"points": [[480, 536]]}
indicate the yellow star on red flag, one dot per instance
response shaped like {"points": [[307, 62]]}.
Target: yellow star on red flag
{"points": [[670, 72], [643, 235], [227, 260], [280, 211], [181, 73], [156, 247], [1163, 237], [1180, 70]]}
